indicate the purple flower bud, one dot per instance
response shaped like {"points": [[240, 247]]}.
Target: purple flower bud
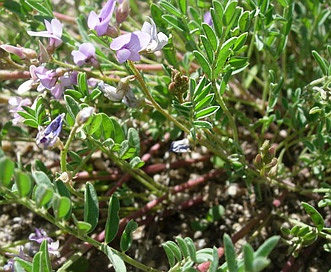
{"points": [[53, 31], [85, 54], [122, 11], [129, 45], [21, 52], [84, 115], [100, 22], [48, 137]]}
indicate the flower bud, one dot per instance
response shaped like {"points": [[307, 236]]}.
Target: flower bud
{"points": [[84, 115], [122, 11]]}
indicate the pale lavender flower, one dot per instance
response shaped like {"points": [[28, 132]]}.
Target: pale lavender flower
{"points": [[207, 18], [16, 106], [10, 263], [68, 79], [85, 54], [40, 235], [129, 45], [111, 92], [157, 40], [53, 31], [21, 52], [48, 137], [47, 78], [100, 23], [84, 115], [29, 84]]}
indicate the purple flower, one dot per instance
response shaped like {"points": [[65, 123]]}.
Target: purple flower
{"points": [[29, 84], [85, 54], [180, 146], [47, 78], [48, 137], [10, 263], [16, 105], [129, 45], [157, 40], [68, 79], [100, 23], [40, 235], [54, 32], [207, 18]]}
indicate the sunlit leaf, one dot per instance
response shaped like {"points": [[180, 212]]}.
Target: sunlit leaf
{"points": [[113, 219], [126, 238], [6, 171]]}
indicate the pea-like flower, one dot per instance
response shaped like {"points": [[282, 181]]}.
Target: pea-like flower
{"points": [[180, 146], [100, 23], [48, 137], [16, 105], [129, 45], [40, 235], [157, 40], [85, 54], [207, 18], [53, 31]]}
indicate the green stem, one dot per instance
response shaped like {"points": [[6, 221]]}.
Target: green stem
{"points": [[225, 109], [152, 100]]}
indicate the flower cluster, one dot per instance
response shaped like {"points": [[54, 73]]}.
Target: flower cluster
{"points": [[40, 235]]}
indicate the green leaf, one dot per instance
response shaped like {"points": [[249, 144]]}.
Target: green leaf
{"points": [[91, 206], [215, 213], [244, 21], [204, 102], [230, 253], [203, 63], [37, 265], [170, 8], [83, 227], [229, 13], [6, 171], [43, 195], [191, 248], [116, 260], [240, 42], [260, 263], [183, 246], [224, 53], [217, 13], [94, 126], [61, 206], [208, 48], [43, 7], [214, 263], [73, 93], [126, 151], [202, 124], [45, 260], [321, 62], [113, 219], [206, 112], [170, 254], [315, 216], [174, 22], [82, 84], [62, 190], [136, 163], [211, 35], [265, 249], [126, 238], [23, 183], [134, 140], [248, 258], [21, 265], [31, 123], [107, 127], [183, 6], [119, 134], [72, 106], [41, 178]]}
